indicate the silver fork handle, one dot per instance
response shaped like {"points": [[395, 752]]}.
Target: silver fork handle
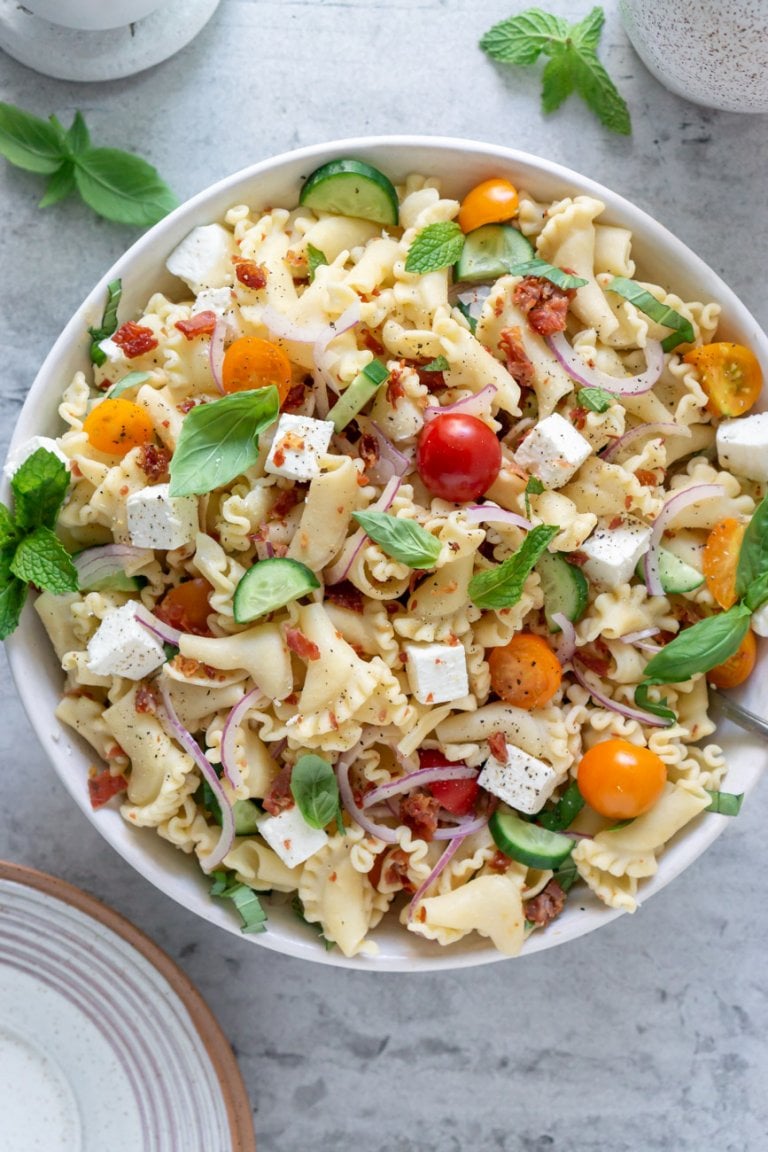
{"points": [[738, 714]]}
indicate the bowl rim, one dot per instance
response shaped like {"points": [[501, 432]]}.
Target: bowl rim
{"points": [[679, 855]]}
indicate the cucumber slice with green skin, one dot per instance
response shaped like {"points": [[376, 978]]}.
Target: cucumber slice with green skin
{"points": [[351, 188], [270, 584], [527, 842], [246, 816], [118, 582], [364, 386], [491, 251], [565, 588], [675, 575]]}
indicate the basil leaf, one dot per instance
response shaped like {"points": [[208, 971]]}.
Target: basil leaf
{"points": [[565, 810], [122, 187], [315, 259], [656, 708], [108, 321], [400, 538], [29, 142], [297, 907], [132, 380], [566, 874], [752, 566], [245, 900], [595, 399], [470, 319], [220, 440], [39, 486], [547, 271], [439, 364], [502, 587], [77, 136], [682, 329], [699, 648], [726, 803], [315, 789], [41, 559], [12, 598], [534, 487], [60, 185], [437, 246]]}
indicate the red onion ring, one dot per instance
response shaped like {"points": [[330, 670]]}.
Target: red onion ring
{"points": [[638, 714], [417, 778], [657, 431], [676, 502], [641, 634], [326, 335], [580, 371], [391, 462], [472, 405], [164, 632], [464, 826], [216, 353], [349, 552], [567, 643], [492, 514], [446, 858], [93, 564], [379, 831], [229, 735], [189, 744]]}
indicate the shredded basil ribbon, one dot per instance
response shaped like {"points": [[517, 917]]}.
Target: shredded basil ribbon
{"points": [[682, 329]]}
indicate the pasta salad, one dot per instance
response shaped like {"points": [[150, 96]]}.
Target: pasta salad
{"points": [[397, 548]]}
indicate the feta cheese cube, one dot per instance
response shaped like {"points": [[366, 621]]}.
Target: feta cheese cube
{"points": [[289, 835], [759, 620], [524, 782], [204, 258], [17, 457], [112, 351], [297, 447], [553, 451], [158, 520], [437, 673], [742, 446], [122, 646], [218, 300], [613, 552]]}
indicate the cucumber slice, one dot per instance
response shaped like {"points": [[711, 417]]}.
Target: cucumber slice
{"points": [[527, 842], [118, 582], [364, 386], [270, 584], [491, 251], [246, 816], [674, 573], [351, 188], [565, 588]]}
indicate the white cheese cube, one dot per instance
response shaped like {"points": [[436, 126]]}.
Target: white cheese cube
{"points": [[217, 300], [613, 552], [742, 446], [437, 673], [113, 352], [524, 782], [289, 835], [204, 258], [158, 520], [25, 450], [759, 620], [121, 646], [553, 451], [297, 447]]}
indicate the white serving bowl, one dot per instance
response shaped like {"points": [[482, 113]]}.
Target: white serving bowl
{"points": [[460, 164]]}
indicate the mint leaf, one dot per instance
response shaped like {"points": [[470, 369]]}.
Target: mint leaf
{"points": [[41, 559], [597, 89], [439, 364], [437, 246], [699, 648], [557, 81], [39, 486], [122, 187], [401, 538], [315, 259], [12, 598], [534, 487], [245, 900], [60, 185], [521, 39], [29, 142], [682, 329], [501, 587], [586, 34], [595, 399], [547, 271], [8, 533], [77, 136], [220, 440]]}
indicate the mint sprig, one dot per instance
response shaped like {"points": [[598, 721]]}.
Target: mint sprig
{"points": [[437, 246], [573, 64], [115, 184]]}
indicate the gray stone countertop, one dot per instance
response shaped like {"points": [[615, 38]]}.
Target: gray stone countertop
{"points": [[648, 1035]]}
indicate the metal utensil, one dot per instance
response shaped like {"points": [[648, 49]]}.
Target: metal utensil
{"points": [[750, 721]]}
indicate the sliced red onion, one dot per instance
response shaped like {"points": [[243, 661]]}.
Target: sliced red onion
{"points": [[492, 514], [655, 430], [189, 744], [329, 332], [641, 634], [566, 645], [391, 461], [473, 299], [416, 779], [464, 826], [580, 371], [598, 694], [445, 859], [474, 405], [216, 353], [94, 564], [229, 735], [380, 831], [349, 552], [164, 632], [676, 502]]}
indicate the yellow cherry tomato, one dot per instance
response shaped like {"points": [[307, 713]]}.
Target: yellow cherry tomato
{"points": [[730, 375], [525, 672], [720, 559], [737, 668], [491, 202], [251, 363], [116, 426], [621, 780]]}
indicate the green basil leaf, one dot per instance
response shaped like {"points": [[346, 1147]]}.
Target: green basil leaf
{"points": [[753, 554], [132, 380], [12, 597], [39, 486], [547, 271], [439, 364], [566, 874], [245, 900], [656, 708], [315, 259], [60, 185], [122, 187], [400, 538], [565, 810], [77, 135], [437, 246], [726, 803], [470, 319], [502, 587], [682, 329], [108, 321], [41, 559], [315, 789], [297, 907], [29, 142], [534, 487], [699, 648], [220, 440], [595, 399]]}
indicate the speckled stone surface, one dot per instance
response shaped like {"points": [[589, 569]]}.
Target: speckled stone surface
{"points": [[649, 1037]]}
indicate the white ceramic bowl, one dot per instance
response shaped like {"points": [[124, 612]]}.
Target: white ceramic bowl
{"points": [[460, 164]]}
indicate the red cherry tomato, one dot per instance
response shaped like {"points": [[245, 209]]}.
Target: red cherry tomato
{"points": [[458, 457], [458, 797], [186, 607]]}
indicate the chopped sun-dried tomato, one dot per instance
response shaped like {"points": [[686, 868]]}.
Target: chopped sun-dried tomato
{"points": [[279, 797], [297, 642], [497, 743], [134, 339], [345, 595], [368, 449], [145, 701], [251, 274], [202, 324], [297, 395], [395, 387], [102, 786], [646, 477], [287, 499], [154, 461], [519, 364], [545, 305], [419, 812]]}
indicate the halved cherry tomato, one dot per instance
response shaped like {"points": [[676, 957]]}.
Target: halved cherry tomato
{"points": [[458, 456], [621, 780], [187, 607], [720, 559], [730, 375], [116, 426], [251, 363], [525, 673], [457, 796], [737, 668], [491, 202]]}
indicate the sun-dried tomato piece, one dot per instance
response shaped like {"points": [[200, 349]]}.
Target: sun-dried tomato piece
{"points": [[102, 786], [251, 274], [519, 364], [419, 812], [154, 461], [545, 305], [202, 324], [297, 642], [134, 339]]}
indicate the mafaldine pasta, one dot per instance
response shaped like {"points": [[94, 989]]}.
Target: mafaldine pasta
{"points": [[408, 533]]}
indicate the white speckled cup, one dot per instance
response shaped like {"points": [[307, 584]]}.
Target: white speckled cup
{"points": [[713, 52]]}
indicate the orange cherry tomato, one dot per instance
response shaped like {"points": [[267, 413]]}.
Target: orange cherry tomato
{"points": [[730, 375], [116, 426], [525, 673], [621, 780], [251, 363], [187, 607], [720, 558], [737, 668], [491, 202]]}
